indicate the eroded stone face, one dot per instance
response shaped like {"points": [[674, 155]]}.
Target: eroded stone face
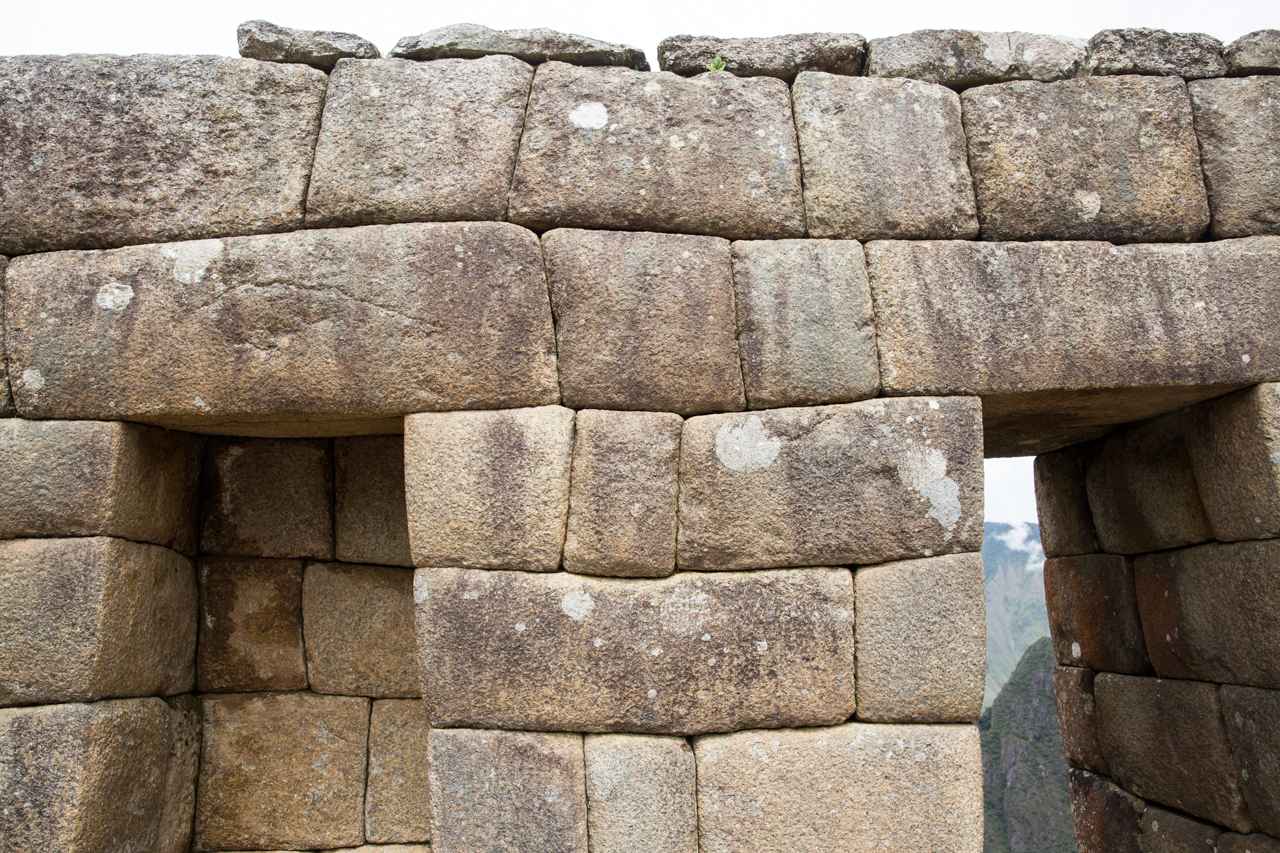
{"points": [[1253, 728], [1107, 819], [472, 41], [1255, 53], [1078, 718], [370, 520], [397, 804], [780, 56], [641, 794], [1140, 50], [318, 48], [1238, 125], [1165, 831], [960, 59], [1093, 613], [1231, 842], [1062, 504], [6, 393], [250, 625]]}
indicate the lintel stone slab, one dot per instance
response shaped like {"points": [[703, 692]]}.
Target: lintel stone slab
{"points": [[1141, 50], [1078, 718], [627, 150], [115, 150], [778, 56], [397, 802], [1093, 613], [858, 483], [369, 516], [1253, 728], [250, 625], [1107, 818], [641, 794], [1238, 125], [960, 59], [687, 654], [1062, 504], [316, 332]]}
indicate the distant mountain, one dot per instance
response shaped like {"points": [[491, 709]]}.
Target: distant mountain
{"points": [[1016, 615]]}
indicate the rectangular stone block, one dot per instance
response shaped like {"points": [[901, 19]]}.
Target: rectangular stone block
{"points": [[805, 322], [627, 150], [1078, 718], [115, 150], [1230, 842], [1062, 504], [905, 788], [407, 141], [89, 619], [960, 59], [1098, 158], [6, 394], [1093, 613], [921, 640], [859, 483], [319, 332], [250, 625], [883, 159], [488, 489], [397, 800], [1238, 125], [369, 518], [687, 654], [1165, 831], [644, 321], [641, 794], [1107, 818], [1253, 729], [177, 815], [622, 494]]}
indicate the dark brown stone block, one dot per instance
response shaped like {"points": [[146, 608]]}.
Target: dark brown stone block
{"points": [[1078, 718], [1093, 613], [1231, 842], [1253, 728], [250, 625], [1164, 831], [1066, 525], [1107, 819]]}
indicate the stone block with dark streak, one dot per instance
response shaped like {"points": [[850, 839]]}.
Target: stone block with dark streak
{"points": [[1093, 613], [250, 625]]}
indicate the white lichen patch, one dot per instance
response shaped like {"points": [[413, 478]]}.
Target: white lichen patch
{"points": [[191, 260], [32, 380], [685, 611], [746, 447], [924, 470], [1088, 203], [1275, 458], [577, 604], [592, 115], [114, 296]]}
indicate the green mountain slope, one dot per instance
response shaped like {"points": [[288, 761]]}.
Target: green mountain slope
{"points": [[1016, 615]]}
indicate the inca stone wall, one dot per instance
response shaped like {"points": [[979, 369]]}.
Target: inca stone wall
{"points": [[502, 447]]}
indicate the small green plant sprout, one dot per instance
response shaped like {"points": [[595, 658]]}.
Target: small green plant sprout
{"points": [[717, 64]]}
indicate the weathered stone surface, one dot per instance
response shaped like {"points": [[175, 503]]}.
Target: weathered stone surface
{"points": [[804, 322], [495, 790], [6, 394], [1107, 818], [472, 41], [1165, 741], [687, 654], [1231, 842], [644, 321], [488, 489], [114, 150], [86, 478], [89, 619], [780, 56], [1253, 728], [1078, 718], [177, 813], [883, 159], [921, 640], [318, 48], [1139, 50], [1255, 53], [369, 517], [853, 787], [1062, 504], [641, 794], [397, 803], [1238, 124], [1164, 831], [267, 497], [250, 625], [1093, 159], [611, 148], [963, 58], [317, 332], [622, 494], [859, 483], [282, 770], [409, 141], [1093, 613], [358, 630]]}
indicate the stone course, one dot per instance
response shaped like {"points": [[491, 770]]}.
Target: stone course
{"points": [[1062, 504], [1093, 613], [961, 59], [1107, 818], [780, 56], [1253, 729], [1078, 718]]}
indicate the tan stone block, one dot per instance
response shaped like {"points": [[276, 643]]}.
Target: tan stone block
{"points": [[397, 802], [961, 59], [1164, 831], [488, 489], [641, 794], [535, 46], [623, 493], [1141, 50], [1238, 126], [370, 524], [858, 483], [282, 770], [851, 787], [250, 625], [1093, 613], [1107, 818], [1253, 729], [186, 714], [687, 654], [1078, 718], [644, 321], [921, 640], [1062, 504]]}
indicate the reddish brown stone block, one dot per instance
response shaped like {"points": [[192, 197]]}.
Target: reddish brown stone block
{"points": [[1078, 718], [1093, 613]]}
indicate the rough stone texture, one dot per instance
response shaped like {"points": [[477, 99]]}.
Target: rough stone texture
{"points": [[114, 150], [1077, 718], [1164, 831], [853, 787], [409, 141], [507, 791], [1238, 124], [611, 148], [883, 159], [921, 640], [358, 630], [644, 321], [1092, 159], [1230, 842], [963, 58], [86, 478], [250, 625], [317, 332], [282, 770], [1107, 818], [1145, 51], [1093, 613], [318, 48], [641, 794], [1210, 613], [488, 490], [804, 322], [472, 41], [780, 56], [858, 483], [1255, 53], [687, 654], [88, 619], [6, 394], [1062, 504], [369, 516], [622, 494], [1165, 741], [177, 815], [266, 497], [397, 804], [1253, 728]]}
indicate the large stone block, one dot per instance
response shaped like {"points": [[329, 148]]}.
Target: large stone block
{"points": [[1062, 504], [859, 483], [1078, 718], [853, 787], [1231, 842], [883, 159], [1107, 818], [89, 619], [177, 814], [369, 517], [614, 148], [250, 625], [397, 802], [114, 150], [1257, 52], [687, 654], [318, 48], [1165, 831], [641, 794], [1253, 728], [964, 58], [488, 489], [779, 56], [1093, 613], [407, 141], [1238, 125], [921, 640], [804, 322], [472, 41], [1100, 158], [314, 333], [644, 321], [1139, 50], [6, 393]]}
